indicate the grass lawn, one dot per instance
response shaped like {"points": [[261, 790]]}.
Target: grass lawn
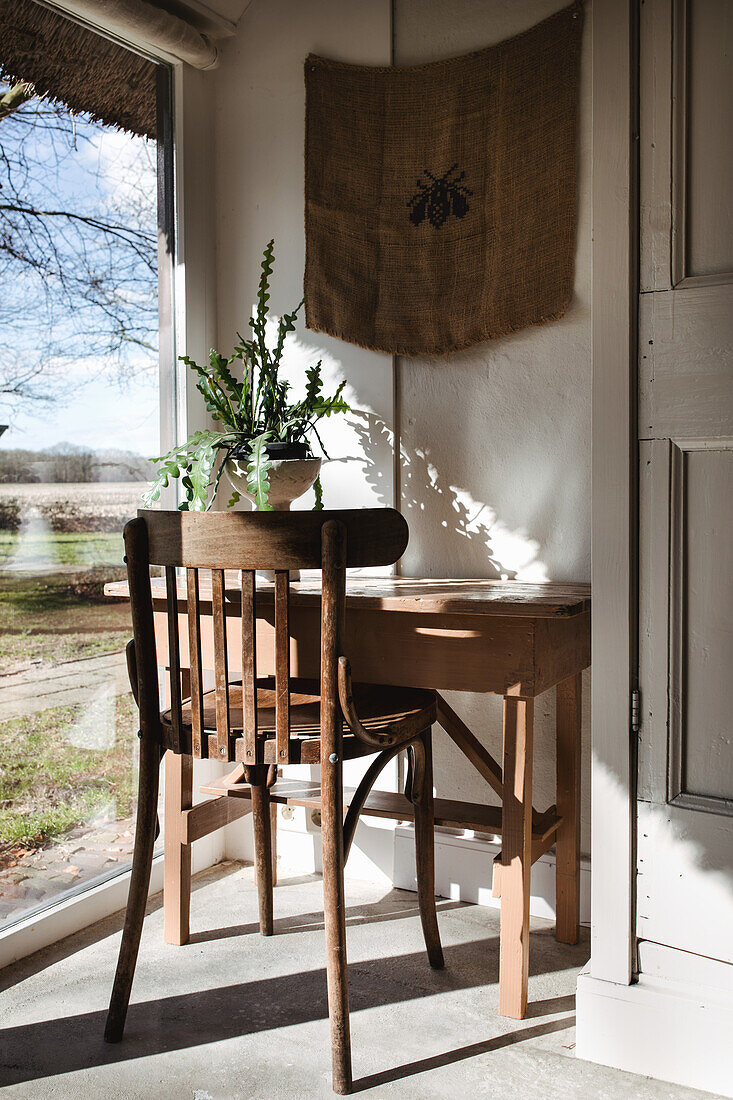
{"points": [[82, 548], [48, 619], [55, 616], [48, 785], [64, 766]]}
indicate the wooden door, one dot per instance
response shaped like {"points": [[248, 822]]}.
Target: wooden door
{"points": [[685, 745]]}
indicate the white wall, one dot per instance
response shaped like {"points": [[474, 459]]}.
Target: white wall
{"points": [[259, 139], [495, 441], [259, 142]]}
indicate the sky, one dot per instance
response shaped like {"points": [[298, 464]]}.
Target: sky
{"points": [[110, 174], [99, 417]]}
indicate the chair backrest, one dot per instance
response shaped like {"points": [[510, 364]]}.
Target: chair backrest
{"points": [[246, 541]]}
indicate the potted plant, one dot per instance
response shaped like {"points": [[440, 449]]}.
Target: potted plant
{"points": [[263, 446]]}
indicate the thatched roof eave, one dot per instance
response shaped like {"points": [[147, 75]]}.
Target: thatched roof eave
{"points": [[74, 65]]}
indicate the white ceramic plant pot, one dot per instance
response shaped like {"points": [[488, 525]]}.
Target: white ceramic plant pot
{"points": [[289, 478]]}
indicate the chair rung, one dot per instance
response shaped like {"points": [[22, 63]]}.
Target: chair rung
{"points": [[450, 813]]}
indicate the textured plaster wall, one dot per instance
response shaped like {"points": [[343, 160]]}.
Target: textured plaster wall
{"points": [[495, 441], [259, 118], [259, 140]]}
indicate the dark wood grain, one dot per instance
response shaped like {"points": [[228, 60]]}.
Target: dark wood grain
{"points": [[452, 596], [142, 860], [143, 628], [332, 811], [207, 817], [271, 540], [221, 674], [249, 666], [451, 813], [380, 735], [297, 715], [359, 797], [131, 661], [261, 827], [199, 743], [282, 666], [174, 660], [420, 792]]}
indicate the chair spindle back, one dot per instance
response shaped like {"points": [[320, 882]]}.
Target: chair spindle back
{"points": [[210, 543]]}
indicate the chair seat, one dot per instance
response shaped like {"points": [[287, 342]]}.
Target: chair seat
{"points": [[398, 710]]}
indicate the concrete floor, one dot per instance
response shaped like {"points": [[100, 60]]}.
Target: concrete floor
{"points": [[232, 1015]]}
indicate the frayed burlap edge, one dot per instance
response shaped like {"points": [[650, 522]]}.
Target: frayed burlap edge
{"points": [[482, 337]]}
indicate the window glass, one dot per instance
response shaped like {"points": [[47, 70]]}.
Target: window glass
{"points": [[79, 414]]}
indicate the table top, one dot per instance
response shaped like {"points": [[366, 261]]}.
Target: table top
{"points": [[516, 599]]}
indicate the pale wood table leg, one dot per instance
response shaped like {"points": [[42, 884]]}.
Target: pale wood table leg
{"points": [[176, 854], [567, 841], [516, 856]]}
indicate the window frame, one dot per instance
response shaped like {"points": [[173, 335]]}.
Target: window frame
{"points": [[186, 317]]}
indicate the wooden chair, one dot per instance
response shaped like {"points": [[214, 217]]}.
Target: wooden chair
{"points": [[277, 721]]}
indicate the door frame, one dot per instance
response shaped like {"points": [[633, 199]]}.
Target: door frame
{"points": [[614, 521], [656, 1022]]}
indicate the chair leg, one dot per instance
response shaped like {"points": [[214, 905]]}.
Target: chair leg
{"points": [[142, 858], [419, 790], [262, 825], [334, 912]]}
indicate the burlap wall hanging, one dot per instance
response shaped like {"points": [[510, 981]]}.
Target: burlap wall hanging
{"points": [[441, 198]]}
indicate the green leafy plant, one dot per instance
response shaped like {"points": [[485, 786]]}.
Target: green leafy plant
{"points": [[254, 410]]}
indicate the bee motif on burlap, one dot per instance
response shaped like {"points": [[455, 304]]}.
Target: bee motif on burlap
{"points": [[437, 200]]}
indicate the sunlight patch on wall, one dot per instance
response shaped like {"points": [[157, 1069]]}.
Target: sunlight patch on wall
{"points": [[510, 553]]}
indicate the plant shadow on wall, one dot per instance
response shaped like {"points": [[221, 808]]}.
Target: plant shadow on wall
{"points": [[496, 551]]}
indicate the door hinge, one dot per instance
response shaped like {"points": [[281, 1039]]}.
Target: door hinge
{"points": [[635, 710]]}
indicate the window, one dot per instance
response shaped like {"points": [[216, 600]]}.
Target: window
{"points": [[80, 413]]}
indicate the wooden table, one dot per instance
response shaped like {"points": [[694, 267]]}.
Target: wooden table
{"points": [[512, 639]]}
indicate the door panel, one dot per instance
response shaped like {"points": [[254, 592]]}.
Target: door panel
{"points": [[685, 748], [704, 51], [701, 638], [685, 781], [684, 880], [686, 363]]}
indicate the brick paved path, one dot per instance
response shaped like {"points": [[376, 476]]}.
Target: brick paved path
{"points": [[30, 880], [66, 684]]}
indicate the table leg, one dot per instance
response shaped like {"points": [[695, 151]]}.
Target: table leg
{"points": [[176, 854], [516, 856], [567, 841]]}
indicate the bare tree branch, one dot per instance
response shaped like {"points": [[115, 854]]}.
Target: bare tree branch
{"points": [[14, 98], [78, 251]]}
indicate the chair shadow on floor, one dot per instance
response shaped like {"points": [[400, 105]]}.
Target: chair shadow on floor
{"points": [[49, 1048], [313, 922], [403, 903], [473, 1050], [33, 1051]]}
